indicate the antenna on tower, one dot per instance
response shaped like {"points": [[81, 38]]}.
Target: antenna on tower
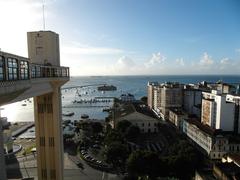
{"points": [[43, 14]]}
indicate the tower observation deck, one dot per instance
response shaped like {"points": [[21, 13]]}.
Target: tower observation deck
{"points": [[39, 76]]}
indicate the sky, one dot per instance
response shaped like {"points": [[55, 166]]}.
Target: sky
{"points": [[131, 37]]}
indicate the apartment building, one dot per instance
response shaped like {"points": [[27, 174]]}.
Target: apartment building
{"points": [[163, 96], [176, 116], [192, 101], [215, 143], [150, 91], [217, 112]]}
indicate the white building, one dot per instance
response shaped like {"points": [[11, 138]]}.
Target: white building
{"points": [[150, 91], [235, 99], [127, 97], [138, 115], [201, 134], [216, 112], [176, 117], [192, 100], [213, 142]]}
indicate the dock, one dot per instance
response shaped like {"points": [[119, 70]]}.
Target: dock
{"points": [[21, 130]]}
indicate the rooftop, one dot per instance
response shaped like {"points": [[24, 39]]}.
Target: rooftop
{"points": [[128, 108], [205, 128]]}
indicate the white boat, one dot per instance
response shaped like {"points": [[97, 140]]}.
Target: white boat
{"points": [[68, 114]]}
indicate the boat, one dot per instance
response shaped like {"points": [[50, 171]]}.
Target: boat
{"points": [[24, 104], [84, 116], [107, 88], [68, 114]]}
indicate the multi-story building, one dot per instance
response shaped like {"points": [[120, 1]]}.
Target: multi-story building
{"points": [[176, 116], [192, 101], [200, 134], [127, 97], [217, 112], [161, 97], [138, 115], [170, 96], [150, 93], [235, 99], [214, 143]]}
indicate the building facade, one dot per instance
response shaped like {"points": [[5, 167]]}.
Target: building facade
{"points": [[217, 112], [176, 116], [214, 143], [150, 93], [192, 101]]}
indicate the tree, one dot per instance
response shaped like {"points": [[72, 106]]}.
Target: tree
{"points": [[113, 136], [97, 127], [144, 99], [123, 125], [132, 132], [183, 160], [116, 154], [144, 163]]}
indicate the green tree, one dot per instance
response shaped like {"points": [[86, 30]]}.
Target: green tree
{"points": [[183, 159], [116, 154], [144, 99], [113, 136], [132, 132], [123, 125], [144, 164], [97, 127]]}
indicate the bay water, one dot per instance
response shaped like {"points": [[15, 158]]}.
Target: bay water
{"points": [[72, 92]]}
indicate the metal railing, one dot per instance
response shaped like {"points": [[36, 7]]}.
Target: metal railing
{"points": [[15, 68], [48, 71]]}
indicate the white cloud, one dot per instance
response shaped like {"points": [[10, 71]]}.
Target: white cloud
{"points": [[180, 61], [206, 60], [225, 61], [125, 62], [238, 50], [124, 65], [157, 58]]}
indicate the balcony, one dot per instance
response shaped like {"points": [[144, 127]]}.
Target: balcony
{"points": [[20, 79]]}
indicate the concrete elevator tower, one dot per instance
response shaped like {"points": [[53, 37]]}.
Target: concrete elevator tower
{"points": [[43, 49]]}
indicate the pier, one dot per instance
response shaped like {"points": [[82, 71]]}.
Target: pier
{"points": [[22, 129], [87, 106], [83, 86]]}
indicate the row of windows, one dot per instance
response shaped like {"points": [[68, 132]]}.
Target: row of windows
{"points": [[12, 69], [41, 72], [149, 124]]}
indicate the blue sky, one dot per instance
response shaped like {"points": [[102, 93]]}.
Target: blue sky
{"points": [[119, 37]]}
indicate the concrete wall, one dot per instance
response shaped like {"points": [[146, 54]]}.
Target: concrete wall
{"points": [[225, 119], [43, 47], [138, 119]]}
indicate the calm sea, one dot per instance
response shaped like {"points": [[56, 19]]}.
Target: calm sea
{"points": [[135, 85]]}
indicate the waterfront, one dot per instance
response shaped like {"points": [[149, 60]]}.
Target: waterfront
{"points": [[135, 85]]}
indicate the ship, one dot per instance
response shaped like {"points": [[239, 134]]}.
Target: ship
{"points": [[107, 88]]}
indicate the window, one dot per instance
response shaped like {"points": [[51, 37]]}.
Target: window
{"points": [[148, 124], [12, 69], [142, 124], [33, 71], [39, 50], [2, 69], [38, 71], [24, 70]]}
